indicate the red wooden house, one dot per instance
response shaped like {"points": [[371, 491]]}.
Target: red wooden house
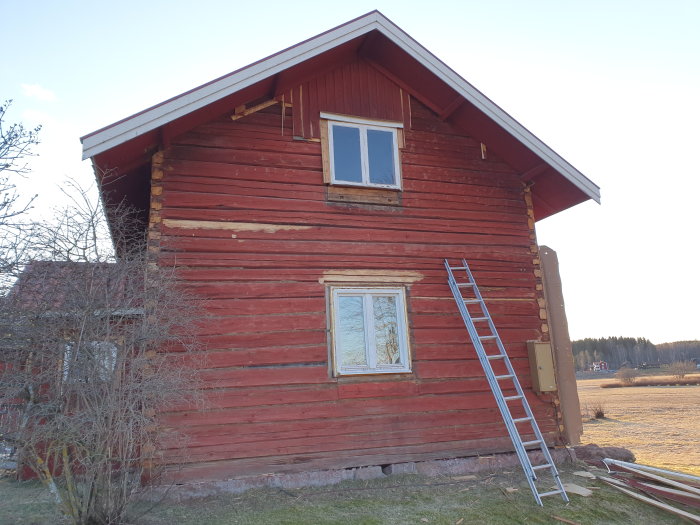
{"points": [[311, 198]]}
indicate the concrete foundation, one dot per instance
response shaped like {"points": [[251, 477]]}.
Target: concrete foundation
{"points": [[444, 467]]}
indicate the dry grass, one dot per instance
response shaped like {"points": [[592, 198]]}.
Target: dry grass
{"points": [[657, 381], [658, 423]]}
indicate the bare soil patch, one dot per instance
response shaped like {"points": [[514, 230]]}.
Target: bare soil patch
{"points": [[660, 424]]}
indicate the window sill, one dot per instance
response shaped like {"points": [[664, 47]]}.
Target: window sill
{"points": [[375, 372], [389, 375], [364, 195]]}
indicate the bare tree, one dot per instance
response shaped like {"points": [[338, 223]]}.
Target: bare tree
{"points": [[627, 376], [92, 347], [16, 143], [15, 146], [679, 369]]}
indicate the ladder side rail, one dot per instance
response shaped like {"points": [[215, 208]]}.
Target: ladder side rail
{"points": [[496, 389], [527, 464], [519, 391], [509, 367], [492, 327], [502, 404], [471, 329]]}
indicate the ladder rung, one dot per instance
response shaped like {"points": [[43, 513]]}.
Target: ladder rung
{"points": [[496, 356], [465, 284], [521, 419], [480, 319], [511, 398], [528, 443], [550, 493], [483, 337], [458, 267], [471, 301], [540, 467], [508, 376]]}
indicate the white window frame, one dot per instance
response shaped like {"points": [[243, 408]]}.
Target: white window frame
{"points": [[404, 365], [363, 125]]}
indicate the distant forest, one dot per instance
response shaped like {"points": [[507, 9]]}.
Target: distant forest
{"points": [[632, 352]]}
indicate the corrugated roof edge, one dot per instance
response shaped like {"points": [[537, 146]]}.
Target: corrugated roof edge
{"points": [[131, 127]]}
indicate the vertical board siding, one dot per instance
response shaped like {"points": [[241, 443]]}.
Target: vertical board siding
{"points": [[245, 220], [353, 89]]}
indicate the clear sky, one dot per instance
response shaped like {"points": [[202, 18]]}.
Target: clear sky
{"points": [[612, 86]]}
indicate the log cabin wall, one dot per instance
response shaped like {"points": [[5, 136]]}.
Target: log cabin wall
{"points": [[241, 209]]}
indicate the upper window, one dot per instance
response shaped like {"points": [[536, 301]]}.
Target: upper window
{"points": [[363, 152], [369, 331]]}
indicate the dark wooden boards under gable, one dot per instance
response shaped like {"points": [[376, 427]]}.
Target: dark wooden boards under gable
{"points": [[354, 88], [242, 213]]}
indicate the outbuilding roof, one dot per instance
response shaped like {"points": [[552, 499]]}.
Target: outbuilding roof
{"points": [[126, 146]]}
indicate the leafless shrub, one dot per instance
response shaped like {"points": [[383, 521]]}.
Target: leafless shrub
{"points": [[92, 345], [680, 369], [627, 375], [594, 411], [598, 409]]}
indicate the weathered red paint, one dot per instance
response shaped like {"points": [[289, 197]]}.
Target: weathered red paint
{"points": [[355, 88], [272, 404]]}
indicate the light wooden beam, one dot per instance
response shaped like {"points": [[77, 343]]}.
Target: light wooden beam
{"points": [[242, 111]]}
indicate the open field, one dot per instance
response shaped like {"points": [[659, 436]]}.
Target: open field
{"points": [[661, 424]]}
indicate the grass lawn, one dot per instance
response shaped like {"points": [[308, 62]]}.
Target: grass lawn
{"points": [[460, 500]]}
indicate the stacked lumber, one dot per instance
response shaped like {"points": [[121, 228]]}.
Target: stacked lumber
{"points": [[674, 492]]}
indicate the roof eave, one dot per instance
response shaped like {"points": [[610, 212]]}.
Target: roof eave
{"points": [[179, 106], [492, 110], [176, 107]]}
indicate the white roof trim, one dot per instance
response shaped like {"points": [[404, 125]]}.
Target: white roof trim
{"points": [[107, 138], [198, 98]]}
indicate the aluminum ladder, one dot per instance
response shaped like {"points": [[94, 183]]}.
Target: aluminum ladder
{"points": [[490, 349]]}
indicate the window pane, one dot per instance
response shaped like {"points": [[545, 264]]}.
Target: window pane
{"points": [[69, 366], [380, 151], [105, 358], [347, 164], [89, 361], [386, 330], [351, 324]]}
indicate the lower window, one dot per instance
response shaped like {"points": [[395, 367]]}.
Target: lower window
{"points": [[369, 331]]}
